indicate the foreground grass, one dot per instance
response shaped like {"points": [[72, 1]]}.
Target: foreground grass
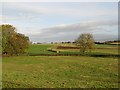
{"points": [[59, 72]]}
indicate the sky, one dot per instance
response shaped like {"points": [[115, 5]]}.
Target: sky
{"points": [[62, 21]]}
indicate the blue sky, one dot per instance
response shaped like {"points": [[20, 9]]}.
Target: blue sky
{"points": [[62, 21]]}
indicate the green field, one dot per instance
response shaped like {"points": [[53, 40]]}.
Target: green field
{"points": [[61, 71], [43, 49], [40, 49]]}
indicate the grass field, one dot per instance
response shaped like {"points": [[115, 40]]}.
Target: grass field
{"points": [[59, 72], [42, 49]]}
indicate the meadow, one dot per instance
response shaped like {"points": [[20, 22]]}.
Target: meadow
{"points": [[61, 71], [37, 49]]}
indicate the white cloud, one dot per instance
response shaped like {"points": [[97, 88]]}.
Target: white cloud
{"points": [[64, 32], [87, 9], [80, 27], [102, 19]]}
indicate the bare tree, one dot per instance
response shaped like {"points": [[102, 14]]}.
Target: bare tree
{"points": [[85, 41]]}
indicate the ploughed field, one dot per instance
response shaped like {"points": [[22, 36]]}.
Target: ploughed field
{"points": [[61, 71]]}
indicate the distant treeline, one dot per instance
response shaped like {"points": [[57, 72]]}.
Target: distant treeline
{"points": [[108, 42], [105, 42]]}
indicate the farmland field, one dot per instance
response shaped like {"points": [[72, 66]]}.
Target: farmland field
{"points": [[58, 72], [61, 71], [42, 49], [39, 49]]}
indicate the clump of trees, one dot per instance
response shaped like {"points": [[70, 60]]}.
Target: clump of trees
{"points": [[13, 43], [85, 41]]}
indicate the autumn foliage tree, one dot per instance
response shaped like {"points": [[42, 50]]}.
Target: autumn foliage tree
{"points": [[13, 43], [85, 41]]}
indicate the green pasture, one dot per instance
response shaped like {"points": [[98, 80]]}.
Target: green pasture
{"points": [[39, 49], [43, 49], [99, 49], [59, 72]]}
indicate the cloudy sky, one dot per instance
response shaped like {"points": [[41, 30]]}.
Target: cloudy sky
{"points": [[62, 21]]}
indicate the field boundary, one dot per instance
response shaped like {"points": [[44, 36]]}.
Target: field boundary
{"points": [[92, 55]]}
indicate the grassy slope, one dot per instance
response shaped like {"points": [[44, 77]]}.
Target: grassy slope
{"points": [[55, 71], [105, 49], [40, 49], [112, 49]]}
